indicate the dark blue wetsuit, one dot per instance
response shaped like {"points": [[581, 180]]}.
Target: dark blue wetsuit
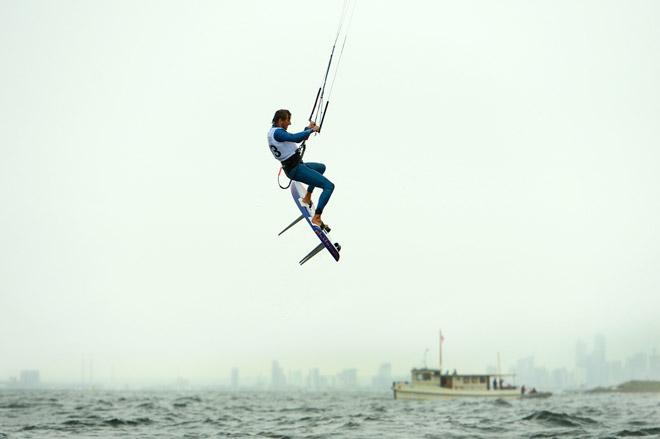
{"points": [[309, 173]]}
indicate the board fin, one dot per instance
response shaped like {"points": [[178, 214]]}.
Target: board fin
{"points": [[313, 253]]}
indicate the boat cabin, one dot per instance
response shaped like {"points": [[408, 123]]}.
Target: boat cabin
{"points": [[434, 377]]}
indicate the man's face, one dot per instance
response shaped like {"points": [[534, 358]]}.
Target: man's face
{"points": [[284, 123]]}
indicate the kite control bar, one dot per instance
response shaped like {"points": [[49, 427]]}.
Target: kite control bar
{"points": [[318, 107]]}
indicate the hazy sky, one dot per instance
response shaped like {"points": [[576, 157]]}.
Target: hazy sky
{"points": [[496, 171]]}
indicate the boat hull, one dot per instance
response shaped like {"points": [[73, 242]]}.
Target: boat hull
{"points": [[408, 391]]}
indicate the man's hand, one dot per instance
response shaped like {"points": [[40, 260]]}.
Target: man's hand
{"points": [[313, 126]]}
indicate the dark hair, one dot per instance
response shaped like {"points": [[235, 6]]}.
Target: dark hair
{"points": [[281, 114]]}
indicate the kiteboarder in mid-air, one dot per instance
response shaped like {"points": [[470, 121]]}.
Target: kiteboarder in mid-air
{"points": [[289, 149], [284, 147]]}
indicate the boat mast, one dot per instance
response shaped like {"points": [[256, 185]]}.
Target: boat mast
{"points": [[440, 352]]}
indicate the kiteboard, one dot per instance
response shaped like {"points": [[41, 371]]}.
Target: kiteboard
{"points": [[298, 192]]}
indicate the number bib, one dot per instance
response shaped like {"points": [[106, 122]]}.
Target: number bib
{"points": [[280, 150]]}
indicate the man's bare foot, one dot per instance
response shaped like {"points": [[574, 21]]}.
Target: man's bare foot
{"points": [[316, 220], [307, 199]]}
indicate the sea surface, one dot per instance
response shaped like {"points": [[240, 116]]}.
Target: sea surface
{"points": [[221, 414]]}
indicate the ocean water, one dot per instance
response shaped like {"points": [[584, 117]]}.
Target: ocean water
{"points": [[218, 414]]}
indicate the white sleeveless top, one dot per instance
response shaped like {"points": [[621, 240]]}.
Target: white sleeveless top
{"points": [[281, 150]]}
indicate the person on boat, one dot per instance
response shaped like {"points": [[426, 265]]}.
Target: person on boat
{"points": [[284, 147]]}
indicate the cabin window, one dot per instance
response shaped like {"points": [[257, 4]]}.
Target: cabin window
{"points": [[482, 379], [474, 379]]}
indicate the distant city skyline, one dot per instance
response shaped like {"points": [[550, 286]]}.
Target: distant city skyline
{"points": [[592, 367]]}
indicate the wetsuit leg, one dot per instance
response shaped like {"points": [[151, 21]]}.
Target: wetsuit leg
{"points": [[313, 178], [318, 167]]}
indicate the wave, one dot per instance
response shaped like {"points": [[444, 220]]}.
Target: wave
{"points": [[273, 435], [245, 408], [652, 431], [559, 419], [502, 403], [104, 402], [351, 425], [302, 409], [117, 422], [184, 401], [194, 398], [16, 405], [555, 434], [29, 427], [77, 423]]}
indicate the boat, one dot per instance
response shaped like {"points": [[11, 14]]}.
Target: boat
{"points": [[432, 384], [427, 383]]}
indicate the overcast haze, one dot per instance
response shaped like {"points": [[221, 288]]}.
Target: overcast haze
{"points": [[496, 171]]}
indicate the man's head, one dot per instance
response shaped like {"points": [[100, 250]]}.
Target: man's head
{"points": [[282, 119]]}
